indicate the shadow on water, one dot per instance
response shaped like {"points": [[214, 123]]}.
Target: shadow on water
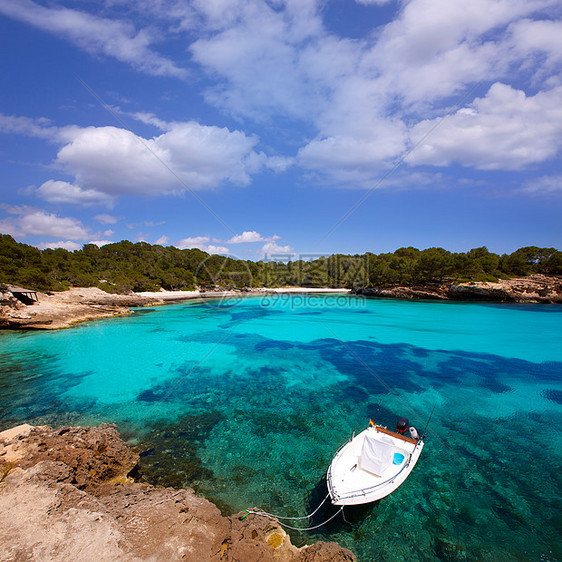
{"points": [[351, 515]]}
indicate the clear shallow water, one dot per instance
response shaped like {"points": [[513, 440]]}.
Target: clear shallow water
{"points": [[248, 400]]}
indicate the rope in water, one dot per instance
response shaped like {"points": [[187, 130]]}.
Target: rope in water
{"points": [[262, 513]]}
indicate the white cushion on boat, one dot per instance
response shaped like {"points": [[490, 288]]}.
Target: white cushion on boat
{"points": [[376, 455]]}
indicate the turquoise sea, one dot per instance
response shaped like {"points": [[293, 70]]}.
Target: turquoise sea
{"points": [[247, 400]]}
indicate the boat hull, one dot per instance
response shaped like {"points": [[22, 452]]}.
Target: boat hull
{"points": [[351, 483]]}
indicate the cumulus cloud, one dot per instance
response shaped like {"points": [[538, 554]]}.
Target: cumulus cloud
{"points": [[363, 101], [362, 97], [55, 191], [212, 249], [271, 248], [109, 161], [100, 243], [202, 243], [42, 223], [193, 242], [189, 155], [251, 236], [96, 35], [503, 130]]}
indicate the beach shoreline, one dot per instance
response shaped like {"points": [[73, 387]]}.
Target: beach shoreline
{"points": [[81, 304]]}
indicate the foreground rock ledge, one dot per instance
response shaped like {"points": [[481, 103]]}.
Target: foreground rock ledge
{"points": [[65, 495]]}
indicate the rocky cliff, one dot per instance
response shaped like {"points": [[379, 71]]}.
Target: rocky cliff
{"points": [[533, 289], [65, 494]]}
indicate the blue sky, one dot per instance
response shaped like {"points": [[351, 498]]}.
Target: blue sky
{"points": [[262, 128]]}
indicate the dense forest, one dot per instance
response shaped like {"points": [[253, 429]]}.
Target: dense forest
{"points": [[126, 266]]}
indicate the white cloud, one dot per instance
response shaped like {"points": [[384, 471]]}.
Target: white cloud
{"points": [[544, 185], [193, 242], [362, 96], [538, 36], [65, 244], [151, 119], [41, 223], [363, 100], [271, 248], [212, 249], [100, 243], [247, 236], [162, 241], [104, 218], [202, 243], [190, 154], [503, 130], [254, 49], [108, 161], [55, 191], [41, 128], [95, 35]]}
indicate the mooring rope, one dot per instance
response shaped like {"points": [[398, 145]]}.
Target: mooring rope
{"points": [[262, 513]]}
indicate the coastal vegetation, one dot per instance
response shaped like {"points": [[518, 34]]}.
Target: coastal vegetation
{"points": [[126, 266]]}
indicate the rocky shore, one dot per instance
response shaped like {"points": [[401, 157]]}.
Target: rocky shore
{"points": [[66, 494], [533, 289]]}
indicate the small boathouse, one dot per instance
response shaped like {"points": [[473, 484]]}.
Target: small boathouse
{"points": [[27, 296]]}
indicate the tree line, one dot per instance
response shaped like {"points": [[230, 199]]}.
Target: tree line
{"points": [[126, 266]]}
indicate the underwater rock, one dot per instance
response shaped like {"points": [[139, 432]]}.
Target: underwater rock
{"points": [[65, 494]]}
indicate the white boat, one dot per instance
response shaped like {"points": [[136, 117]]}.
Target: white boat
{"points": [[373, 464]]}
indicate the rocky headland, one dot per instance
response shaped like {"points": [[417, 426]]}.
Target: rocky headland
{"points": [[533, 289], [67, 494]]}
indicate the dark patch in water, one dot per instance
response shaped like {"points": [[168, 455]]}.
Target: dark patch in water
{"points": [[273, 344], [495, 385], [150, 396], [170, 452], [240, 316], [553, 394]]}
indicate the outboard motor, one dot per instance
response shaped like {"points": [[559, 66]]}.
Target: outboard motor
{"points": [[402, 425], [414, 434]]}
